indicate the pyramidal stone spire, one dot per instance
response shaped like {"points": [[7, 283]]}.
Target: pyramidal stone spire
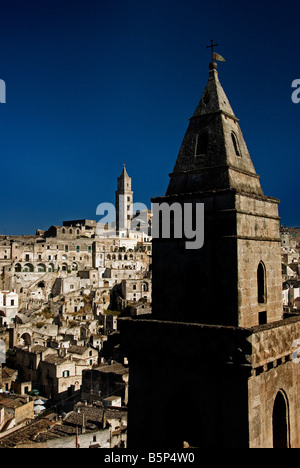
{"points": [[214, 98], [214, 155]]}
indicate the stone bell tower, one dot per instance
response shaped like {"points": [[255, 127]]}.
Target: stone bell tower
{"points": [[214, 364], [124, 202], [241, 252]]}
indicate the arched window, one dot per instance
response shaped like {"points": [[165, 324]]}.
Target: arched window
{"points": [[206, 97], [41, 268], [235, 144], [202, 143], [28, 268], [281, 422], [261, 284]]}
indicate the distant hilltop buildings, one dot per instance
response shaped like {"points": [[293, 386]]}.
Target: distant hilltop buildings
{"points": [[61, 293], [77, 245]]}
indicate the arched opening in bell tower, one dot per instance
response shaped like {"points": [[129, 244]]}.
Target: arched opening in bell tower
{"points": [[261, 284], [281, 422]]}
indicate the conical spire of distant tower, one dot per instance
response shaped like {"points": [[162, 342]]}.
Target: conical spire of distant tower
{"points": [[124, 172], [214, 154]]}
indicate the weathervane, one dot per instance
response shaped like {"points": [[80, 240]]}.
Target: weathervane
{"points": [[214, 55]]}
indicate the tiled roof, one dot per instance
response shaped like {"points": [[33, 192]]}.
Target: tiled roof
{"points": [[116, 368]]}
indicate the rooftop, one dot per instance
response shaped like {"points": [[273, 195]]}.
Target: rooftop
{"points": [[13, 401], [116, 368]]}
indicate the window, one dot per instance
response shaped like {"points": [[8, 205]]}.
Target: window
{"points": [[281, 422], [263, 318], [206, 98], [261, 284], [202, 143], [78, 248], [66, 373], [12, 302], [89, 248], [235, 144]]}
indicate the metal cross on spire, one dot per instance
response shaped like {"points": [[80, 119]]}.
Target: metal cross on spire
{"points": [[211, 46], [214, 55]]}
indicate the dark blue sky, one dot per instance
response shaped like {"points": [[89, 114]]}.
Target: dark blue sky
{"points": [[92, 84]]}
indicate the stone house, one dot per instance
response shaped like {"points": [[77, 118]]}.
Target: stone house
{"points": [[89, 355], [9, 306], [9, 377], [61, 377], [291, 292], [134, 290], [28, 360], [104, 381], [96, 341], [17, 409]]}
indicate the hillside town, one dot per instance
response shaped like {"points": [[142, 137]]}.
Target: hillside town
{"points": [[72, 299], [63, 379]]}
